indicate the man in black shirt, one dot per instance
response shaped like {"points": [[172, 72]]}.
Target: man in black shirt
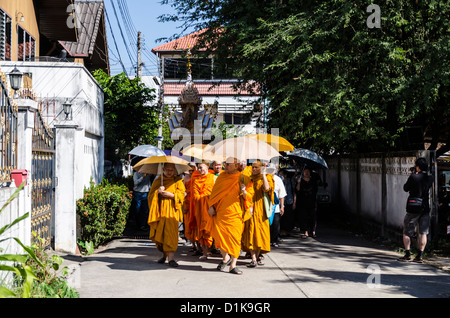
{"points": [[306, 203], [418, 186]]}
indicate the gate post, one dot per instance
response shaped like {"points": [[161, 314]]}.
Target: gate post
{"points": [[65, 191], [25, 125]]}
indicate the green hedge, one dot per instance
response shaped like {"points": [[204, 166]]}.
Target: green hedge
{"points": [[103, 212]]}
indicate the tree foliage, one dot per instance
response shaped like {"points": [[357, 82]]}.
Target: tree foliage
{"points": [[333, 83], [128, 121]]}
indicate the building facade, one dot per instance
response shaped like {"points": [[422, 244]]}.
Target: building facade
{"points": [[55, 45], [179, 66]]}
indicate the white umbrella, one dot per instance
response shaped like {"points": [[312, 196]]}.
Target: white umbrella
{"points": [[245, 148], [146, 151]]}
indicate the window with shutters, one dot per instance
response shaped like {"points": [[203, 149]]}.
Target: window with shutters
{"points": [[5, 36], [26, 45]]}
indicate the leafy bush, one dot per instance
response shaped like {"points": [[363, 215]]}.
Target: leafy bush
{"points": [[35, 273], [24, 275], [103, 212], [86, 248], [50, 279]]}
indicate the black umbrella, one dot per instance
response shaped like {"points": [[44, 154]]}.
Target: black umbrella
{"points": [[308, 158]]}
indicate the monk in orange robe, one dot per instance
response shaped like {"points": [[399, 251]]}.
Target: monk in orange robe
{"points": [[190, 233], [216, 168], [165, 201], [227, 214], [201, 189], [256, 235]]}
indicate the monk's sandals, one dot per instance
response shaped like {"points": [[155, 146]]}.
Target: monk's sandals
{"points": [[222, 265]]}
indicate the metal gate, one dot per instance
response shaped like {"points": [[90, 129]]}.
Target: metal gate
{"points": [[8, 134], [42, 197]]}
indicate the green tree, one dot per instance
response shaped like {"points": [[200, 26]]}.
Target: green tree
{"points": [[333, 83], [128, 121]]}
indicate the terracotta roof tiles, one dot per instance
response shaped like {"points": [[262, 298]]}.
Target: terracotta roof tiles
{"points": [[181, 44]]}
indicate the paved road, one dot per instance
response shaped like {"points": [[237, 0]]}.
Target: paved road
{"points": [[337, 264]]}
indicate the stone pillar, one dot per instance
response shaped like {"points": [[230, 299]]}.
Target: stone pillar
{"points": [[65, 194], [25, 125]]}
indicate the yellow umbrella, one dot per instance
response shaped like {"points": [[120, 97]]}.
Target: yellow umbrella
{"points": [[279, 143], [154, 164], [245, 148], [202, 152]]}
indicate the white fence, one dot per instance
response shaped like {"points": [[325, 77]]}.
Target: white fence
{"points": [[370, 186]]}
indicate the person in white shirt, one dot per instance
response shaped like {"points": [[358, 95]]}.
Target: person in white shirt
{"points": [[280, 192]]}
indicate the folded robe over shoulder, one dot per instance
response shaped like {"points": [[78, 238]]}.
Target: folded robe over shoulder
{"points": [[165, 213], [256, 234], [228, 223]]}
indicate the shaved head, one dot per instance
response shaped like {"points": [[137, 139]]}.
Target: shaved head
{"points": [[169, 170]]}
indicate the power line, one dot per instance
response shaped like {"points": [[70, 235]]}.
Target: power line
{"points": [[128, 32], [131, 36], [132, 32], [115, 42], [121, 32]]}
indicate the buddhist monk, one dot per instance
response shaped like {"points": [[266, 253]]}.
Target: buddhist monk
{"points": [[165, 201], [216, 168], [256, 235], [190, 233], [228, 215], [202, 187]]}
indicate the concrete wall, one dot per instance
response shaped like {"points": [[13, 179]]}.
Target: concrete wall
{"points": [[15, 209], [11, 212], [371, 186], [79, 153], [56, 83], [22, 202]]}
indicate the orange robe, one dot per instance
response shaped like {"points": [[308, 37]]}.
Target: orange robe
{"points": [[192, 220], [165, 213], [256, 233], [188, 231], [202, 188], [228, 223]]}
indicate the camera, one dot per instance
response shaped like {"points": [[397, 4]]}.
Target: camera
{"points": [[412, 169]]}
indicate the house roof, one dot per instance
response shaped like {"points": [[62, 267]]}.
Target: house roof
{"points": [[181, 44], [92, 42], [52, 19], [89, 16], [205, 89]]}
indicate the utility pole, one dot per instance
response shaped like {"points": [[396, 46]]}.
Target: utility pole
{"points": [[139, 58], [160, 99]]}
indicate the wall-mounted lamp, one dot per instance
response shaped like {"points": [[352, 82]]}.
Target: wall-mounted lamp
{"points": [[22, 17], [67, 108], [15, 79]]}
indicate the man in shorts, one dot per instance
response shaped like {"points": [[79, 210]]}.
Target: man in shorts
{"points": [[418, 186]]}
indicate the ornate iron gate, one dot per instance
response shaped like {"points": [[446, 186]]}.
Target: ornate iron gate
{"points": [[42, 202], [8, 134]]}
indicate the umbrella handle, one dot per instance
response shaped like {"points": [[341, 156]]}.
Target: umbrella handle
{"points": [[303, 169]]}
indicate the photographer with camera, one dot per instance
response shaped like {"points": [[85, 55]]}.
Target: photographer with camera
{"points": [[417, 209]]}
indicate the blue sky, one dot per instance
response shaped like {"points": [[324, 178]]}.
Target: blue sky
{"points": [[134, 16]]}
